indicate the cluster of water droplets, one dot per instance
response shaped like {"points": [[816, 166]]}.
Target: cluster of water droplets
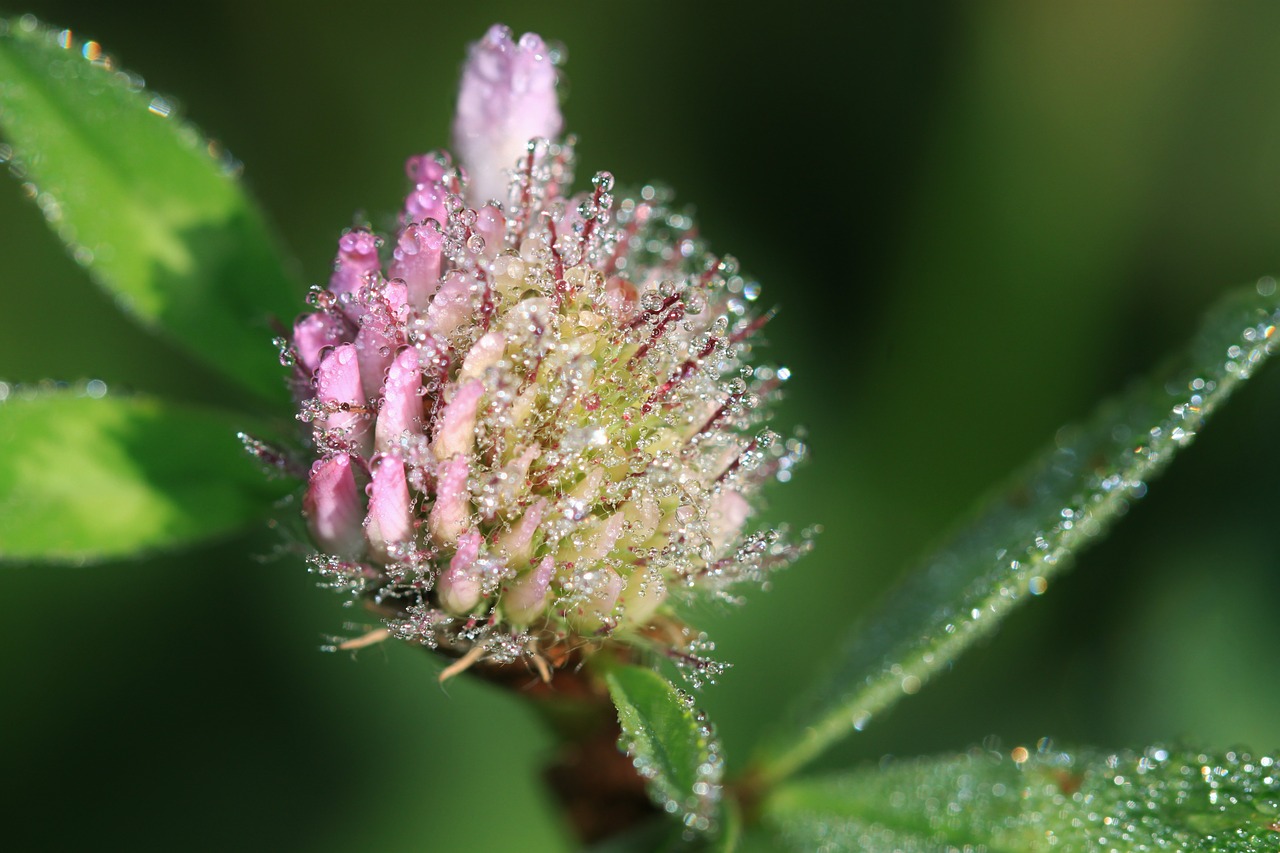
{"points": [[1159, 799], [696, 802], [537, 421], [94, 389]]}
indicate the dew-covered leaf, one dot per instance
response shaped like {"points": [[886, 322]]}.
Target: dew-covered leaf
{"points": [[1159, 799], [147, 204], [671, 743], [1018, 541], [659, 836], [85, 478]]}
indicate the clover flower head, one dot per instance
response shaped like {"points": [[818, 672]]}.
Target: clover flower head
{"points": [[536, 422]]}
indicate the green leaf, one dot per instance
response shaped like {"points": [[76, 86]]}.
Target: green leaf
{"points": [[145, 202], [1019, 541], [85, 478], [671, 743], [1156, 800], [657, 836]]}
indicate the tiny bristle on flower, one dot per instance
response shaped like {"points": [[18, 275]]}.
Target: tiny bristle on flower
{"points": [[535, 411]]}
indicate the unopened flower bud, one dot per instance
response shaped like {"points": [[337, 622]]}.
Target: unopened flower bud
{"points": [[452, 510], [315, 333], [457, 434], [401, 411], [341, 395], [591, 606], [390, 522], [508, 97], [357, 260], [517, 542], [380, 334], [525, 598], [459, 588], [334, 507]]}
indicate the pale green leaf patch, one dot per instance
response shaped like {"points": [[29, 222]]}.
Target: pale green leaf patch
{"points": [[147, 204], [84, 479], [1039, 799]]}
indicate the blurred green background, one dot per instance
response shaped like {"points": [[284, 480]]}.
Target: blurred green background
{"points": [[978, 220]]}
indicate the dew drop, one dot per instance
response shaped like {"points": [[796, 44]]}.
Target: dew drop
{"points": [[160, 107]]}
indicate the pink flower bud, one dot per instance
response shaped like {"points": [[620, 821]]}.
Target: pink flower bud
{"points": [[457, 434], [460, 587], [595, 596], [313, 333], [357, 260], [560, 391], [451, 514], [339, 389], [598, 539], [334, 507], [492, 226], [426, 201], [525, 598], [381, 333], [427, 168], [416, 261], [389, 524], [517, 543], [508, 97], [401, 410], [484, 354], [729, 511], [451, 305]]}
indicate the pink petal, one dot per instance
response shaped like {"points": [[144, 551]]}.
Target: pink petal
{"points": [[518, 469], [390, 520], [426, 168], [426, 201], [334, 507], [401, 410], [457, 432], [508, 97], [492, 226], [416, 261], [603, 536], [459, 588], [338, 383], [314, 332], [485, 353], [526, 597], [451, 514], [451, 305], [381, 331], [338, 380], [517, 543], [357, 259]]}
